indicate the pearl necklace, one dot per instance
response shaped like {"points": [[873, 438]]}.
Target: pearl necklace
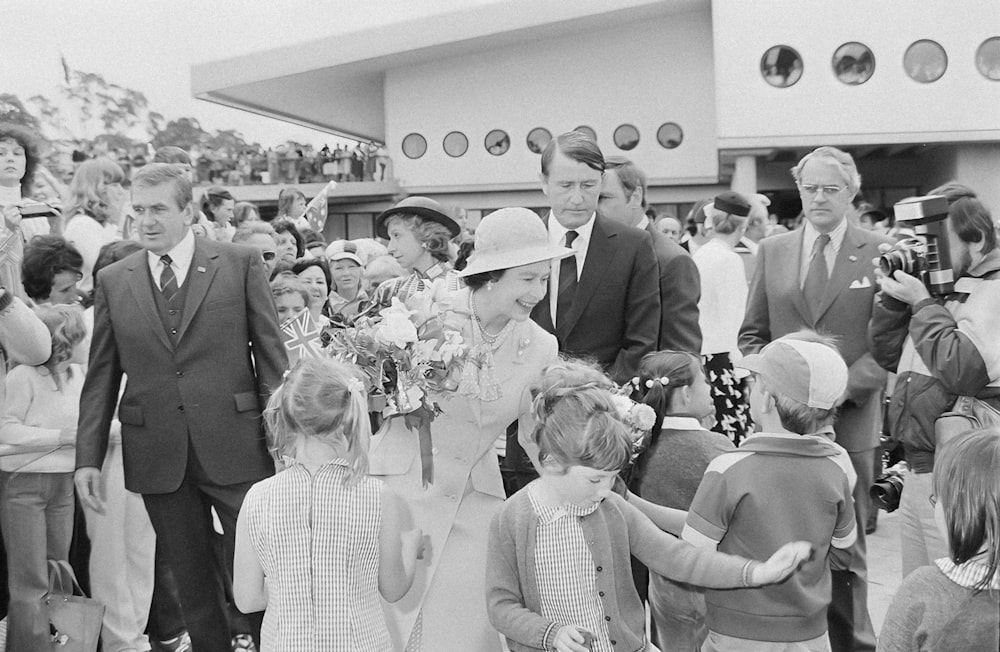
{"points": [[487, 337]]}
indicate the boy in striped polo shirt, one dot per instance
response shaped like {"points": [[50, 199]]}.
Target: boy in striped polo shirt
{"points": [[788, 482]]}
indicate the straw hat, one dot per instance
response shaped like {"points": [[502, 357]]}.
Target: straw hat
{"points": [[511, 237], [425, 207]]}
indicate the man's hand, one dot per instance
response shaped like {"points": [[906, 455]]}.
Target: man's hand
{"points": [[88, 488], [901, 286]]}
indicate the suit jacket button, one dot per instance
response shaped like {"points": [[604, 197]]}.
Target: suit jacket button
{"points": [[180, 408], [180, 373], [173, 331]]}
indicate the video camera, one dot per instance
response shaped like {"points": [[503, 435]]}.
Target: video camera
{"points": [[926, 255]]}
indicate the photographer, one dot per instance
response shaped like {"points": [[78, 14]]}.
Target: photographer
{"points": [[941, 348]]}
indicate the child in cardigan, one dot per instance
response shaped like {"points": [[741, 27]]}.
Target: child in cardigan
{"points": [[558, 571], [673, 383], [38, 442], [789, 481], [320, 541], [953, 603]]}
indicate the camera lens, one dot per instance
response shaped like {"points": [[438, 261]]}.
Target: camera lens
{"points": [[891, 262]]}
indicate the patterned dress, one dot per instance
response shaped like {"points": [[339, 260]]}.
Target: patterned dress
{"points": [[317, 540]]}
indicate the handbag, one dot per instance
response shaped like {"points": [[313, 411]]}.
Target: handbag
{"points": [[969, 413], [63, 620]]}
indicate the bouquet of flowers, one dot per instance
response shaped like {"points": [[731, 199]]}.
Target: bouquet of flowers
{"points": [[640, 419], [407, 354]]}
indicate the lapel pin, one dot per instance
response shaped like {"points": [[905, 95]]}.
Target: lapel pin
{"points": [[853, 259], [201, 269]]}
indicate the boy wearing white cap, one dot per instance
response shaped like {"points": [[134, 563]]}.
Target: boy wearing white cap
{"points": [[788, 482]]}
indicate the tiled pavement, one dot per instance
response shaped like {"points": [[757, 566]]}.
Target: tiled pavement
{"points": [[884, 567]]}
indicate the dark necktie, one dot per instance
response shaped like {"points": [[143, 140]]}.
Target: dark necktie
{"points": [[817, 276], [168, 281], [567, 281]]}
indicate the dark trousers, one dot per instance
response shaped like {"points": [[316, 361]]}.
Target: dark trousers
{"points": [[183, 524], [850, 625], [166, 621]]}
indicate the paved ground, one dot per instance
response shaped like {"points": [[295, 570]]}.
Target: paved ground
{"points": [[884, 567]]}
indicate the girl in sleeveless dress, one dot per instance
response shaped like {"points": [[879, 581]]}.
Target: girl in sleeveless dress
{"points": [[318, 543]]}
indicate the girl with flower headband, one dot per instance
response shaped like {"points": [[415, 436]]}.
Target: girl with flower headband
{"points": [[318, 543], [673, 383], [558, 572]]}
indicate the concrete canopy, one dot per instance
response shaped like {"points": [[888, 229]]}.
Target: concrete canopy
{"points": [[335, 84]]}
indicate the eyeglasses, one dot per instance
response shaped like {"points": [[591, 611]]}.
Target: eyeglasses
{"points": [[268, 255], [828, 191]]}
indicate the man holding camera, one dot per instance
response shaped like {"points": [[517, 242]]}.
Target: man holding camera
{"points": [[817, 277], [942, 344]]}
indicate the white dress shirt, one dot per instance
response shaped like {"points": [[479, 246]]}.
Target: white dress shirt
{"points": [[809, 235], [180, 257], [557, 236]]}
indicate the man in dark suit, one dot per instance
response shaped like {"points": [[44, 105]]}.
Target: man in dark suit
{"points": [[623, 199], [603, 303], [192, 325], [819, 277]]}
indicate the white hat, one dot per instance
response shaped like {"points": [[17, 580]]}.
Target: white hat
{"points": [[808, 372], [343, 250], [511, 237]]}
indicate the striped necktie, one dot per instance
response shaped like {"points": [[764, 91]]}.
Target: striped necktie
{"points": [[567, 281], [817, 276], [168, 281]]}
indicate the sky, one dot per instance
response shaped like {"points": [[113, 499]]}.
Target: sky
{"points": [[149, 46]]}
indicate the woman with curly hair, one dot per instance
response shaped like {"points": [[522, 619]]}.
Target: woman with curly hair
{"points": [[94, 211], [289, 241], [19, 155]]}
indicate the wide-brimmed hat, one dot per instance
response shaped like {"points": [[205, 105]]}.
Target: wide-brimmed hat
{"points": [[511, 237], [424, 207]]}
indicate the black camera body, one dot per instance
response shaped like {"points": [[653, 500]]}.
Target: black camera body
{"points": [[926, 255], [888, 489]]}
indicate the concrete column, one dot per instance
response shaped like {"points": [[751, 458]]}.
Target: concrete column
{"points": [[745, 174]]}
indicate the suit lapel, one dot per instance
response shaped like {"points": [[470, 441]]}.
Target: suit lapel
{"points": [[141, 283], [199, 278], [844, 270], [794, 253], [542, 312], [601, 255]]}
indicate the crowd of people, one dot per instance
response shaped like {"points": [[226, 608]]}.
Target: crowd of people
{"points": [[648, 417]]}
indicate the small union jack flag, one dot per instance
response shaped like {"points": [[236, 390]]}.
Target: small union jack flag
{"points": [[301, 335]]}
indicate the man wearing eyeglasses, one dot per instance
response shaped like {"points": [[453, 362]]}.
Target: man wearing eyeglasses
{"points": [[819, 277]]}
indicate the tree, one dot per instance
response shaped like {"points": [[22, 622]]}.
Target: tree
{"points": [[12, 110], [182, 132]]}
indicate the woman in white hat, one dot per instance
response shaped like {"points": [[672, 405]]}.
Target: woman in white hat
{"points": [[347, 293], [506, 276]]}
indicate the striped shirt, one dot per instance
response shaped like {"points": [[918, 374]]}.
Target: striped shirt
{"points": [[405, 287], [567, 580], [317, 540]]}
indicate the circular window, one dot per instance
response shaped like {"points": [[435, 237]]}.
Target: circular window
{"points": [[497, 142], [670, 135], [414, 146], [925, 61], [590, 133], [988, 58], [456, 144], [538, 139], [853, 63], [781, 66], [626, 137]]}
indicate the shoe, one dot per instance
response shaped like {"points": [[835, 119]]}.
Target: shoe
{"points": [[244, 643], [180, 643]]}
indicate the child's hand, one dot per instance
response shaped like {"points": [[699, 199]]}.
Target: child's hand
{"points": [[571, 638], [783, 562]]}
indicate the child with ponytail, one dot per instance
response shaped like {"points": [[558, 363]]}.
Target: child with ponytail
{"points": [[558, 571], [320, 541], [673, 383]]}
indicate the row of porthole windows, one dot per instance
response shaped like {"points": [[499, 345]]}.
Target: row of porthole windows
{"points": [[853, 63], [497, 142]]}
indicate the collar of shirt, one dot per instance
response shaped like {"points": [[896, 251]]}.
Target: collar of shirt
{"points": [[809, 235], [557, 236], [181, 255], [643, 223], [681, 423], [969, 574], [548, 514], [10, 195]]}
